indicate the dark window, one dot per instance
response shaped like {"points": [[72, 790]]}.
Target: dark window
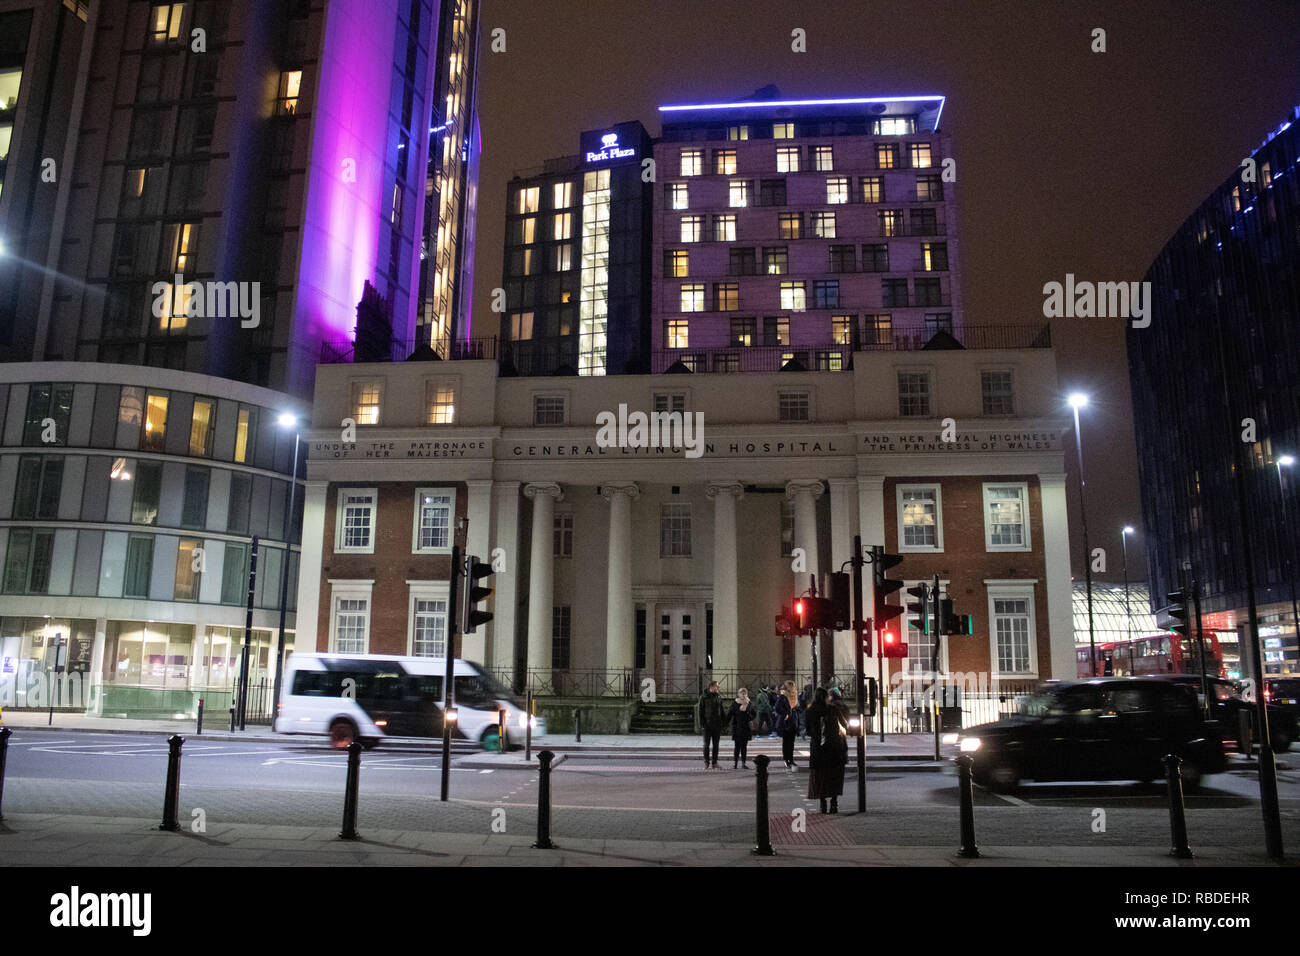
{"points": [[234, 575], [640, 637], [826, 294], [139, 566], [925, 222], [743, 263], [875, 257], [929, 292], [771, 192], [843, 259], [560, 635], [46, 403], [147, 489], [27, 561], [893, 293], [194, 514], [241, 488], [39, 483]]}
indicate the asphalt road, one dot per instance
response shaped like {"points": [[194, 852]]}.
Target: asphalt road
{"points": [[637, 795]]}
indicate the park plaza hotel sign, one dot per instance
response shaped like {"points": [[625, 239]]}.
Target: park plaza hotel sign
{"points": [[582, 444]]}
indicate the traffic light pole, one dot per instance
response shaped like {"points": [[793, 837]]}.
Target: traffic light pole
{"points": [[1200, 644], [449, 652], [859, 672]]}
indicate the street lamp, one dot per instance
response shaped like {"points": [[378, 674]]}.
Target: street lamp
{"points": [[286, 420], [1286, 461], [1128, 615], [1077, 401]]}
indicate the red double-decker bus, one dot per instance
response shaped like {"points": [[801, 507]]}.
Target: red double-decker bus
{"points": [[1147, 656]]}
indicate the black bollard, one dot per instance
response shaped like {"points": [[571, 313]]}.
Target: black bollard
{"points": [[577, 722], [528, 727], [349, 831], [172, 795], [1177, 816], [200, 728], [5, 734], [764, 844], [544, 802], [232, 720], [968, 849], [1245, 743]]}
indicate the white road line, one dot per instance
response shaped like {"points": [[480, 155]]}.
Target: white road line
{"points": [[486, 771], [43, 743]]}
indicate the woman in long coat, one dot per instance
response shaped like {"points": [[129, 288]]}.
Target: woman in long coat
{"points": [[787, 721], [834, 749], [817, 715], [742, 712]]}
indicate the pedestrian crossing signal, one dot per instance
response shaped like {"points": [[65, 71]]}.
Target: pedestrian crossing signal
{"points": [[891, 646]]}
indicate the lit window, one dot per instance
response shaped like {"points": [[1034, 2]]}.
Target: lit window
{"points": [[842, 329], [676, 263], [823, 225], [787, 159], [563, 226], [692, 297], [935, 256], [726, 296], [783, 130], [793, 297], [921, 155], [433, 514], [365, 403], [442, 404], [776, 330], [290, 84], [823, 158], [528, 230], [873, 188], [913, 394], [1005, 520], [918, 517], [155, 422], [529, 199], [243, 431], [562, 195], [521, 326], [743, 332], [692, 162], [189, 569], [678, 196], [793, 407], [692, 228], [724, 162], [776, 260], [356, 520], [891, 222], [739, 193], [737, 132], [562, 258], [791, 225], [203, 425], [837, 190], [929, 187], [724, 227], [886, 156], [895, 126], [678, 336], [166, 22]]}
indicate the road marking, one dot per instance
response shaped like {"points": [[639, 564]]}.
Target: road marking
{"points": [[485, 771], [43, 743]]}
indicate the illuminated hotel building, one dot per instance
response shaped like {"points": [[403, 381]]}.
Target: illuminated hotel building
{"points": [[577, 259]]}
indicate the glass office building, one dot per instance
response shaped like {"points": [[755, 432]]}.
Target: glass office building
{"points": [[1219, 364]]}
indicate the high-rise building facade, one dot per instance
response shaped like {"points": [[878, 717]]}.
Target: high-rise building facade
{"points": [[801, 230], [1218, 365], [577, 259]]}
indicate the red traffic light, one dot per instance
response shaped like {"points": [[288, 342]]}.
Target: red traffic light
{"points": [[891, 646], [798, 608]]}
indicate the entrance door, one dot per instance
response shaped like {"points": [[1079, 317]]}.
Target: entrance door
{"points": [[677, 668]]}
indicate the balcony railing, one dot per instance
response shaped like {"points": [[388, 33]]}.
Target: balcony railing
{"points": [[402, 350]]}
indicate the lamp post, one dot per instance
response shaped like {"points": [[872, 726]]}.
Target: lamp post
{"points": [[1128, 615], [1079, 400], [1286, 461], [286, 420]]}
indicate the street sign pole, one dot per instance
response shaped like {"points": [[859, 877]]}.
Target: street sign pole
{"points": [[859, 674]]}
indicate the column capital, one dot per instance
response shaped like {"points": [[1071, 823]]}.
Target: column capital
{"points": [[795, 488], [630, 488], [734, 488], [535, 488]]}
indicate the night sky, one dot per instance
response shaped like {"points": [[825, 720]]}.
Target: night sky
{"points": [[1067, 160]]}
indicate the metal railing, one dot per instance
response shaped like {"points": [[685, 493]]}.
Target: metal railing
{"points": [[343, 351]]}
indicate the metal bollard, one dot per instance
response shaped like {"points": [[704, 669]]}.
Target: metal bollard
{"points": [[965, 788], [544, 802], [764, 843], [528, 728], [349, 831], [232, 720], [502, 733], [172, 795], [1245, 742], [577, 722], [1177, 815], [5, 734], [200, 728]]}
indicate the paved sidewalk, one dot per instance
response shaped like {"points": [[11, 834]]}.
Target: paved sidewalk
{"points": [[57, 840], [896, 747]]}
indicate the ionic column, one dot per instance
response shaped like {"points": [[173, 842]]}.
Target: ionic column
{"points": [[726, 601], [620, 626], [844, 504], [804, 494], [541, 575], [1056, 568], [506, 537]]}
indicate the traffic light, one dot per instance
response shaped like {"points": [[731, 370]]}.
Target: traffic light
{"points": [[800, 615], [1178, 612], [921, 609], [891, 646], [865, 637], [885, 612], [960, 624], [474, 593], [787, 624], [839, 587]]}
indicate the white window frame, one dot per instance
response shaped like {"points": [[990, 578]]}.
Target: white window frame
{"points": [[562, 396], [903, 547], [431, 387], [350, 589], [427, 591], [340, 495], [928, 372], [998, 369], [683, 394], [415, 522], [690, 525], [556, 519], [1012, 590], [356, 383], [807, 395], [1028, 543]]}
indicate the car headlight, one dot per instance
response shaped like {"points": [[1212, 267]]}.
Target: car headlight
{"points": [[523, 720], [970, 744]]}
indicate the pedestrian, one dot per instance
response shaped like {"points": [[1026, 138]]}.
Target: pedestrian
{"points": [[763, 712], [741, 714], [787, 722], [818, 714], [835, 747], [772, 695], [711, 715]]}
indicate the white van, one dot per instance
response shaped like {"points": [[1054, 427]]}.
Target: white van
{"points": [[369, 697]]}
